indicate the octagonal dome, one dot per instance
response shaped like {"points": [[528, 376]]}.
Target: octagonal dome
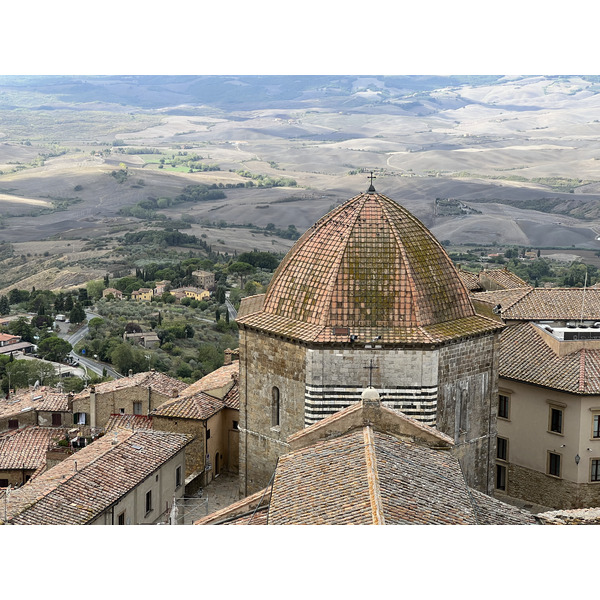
{"points": [[367, 269]]}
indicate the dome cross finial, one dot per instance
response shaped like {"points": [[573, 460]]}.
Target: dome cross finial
{"points": [[371, 187]]}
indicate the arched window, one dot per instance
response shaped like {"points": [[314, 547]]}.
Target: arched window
{"points": [[275, 408]]}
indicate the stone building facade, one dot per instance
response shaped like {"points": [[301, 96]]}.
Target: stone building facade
{"points": [[137, 394], [366, 296]]}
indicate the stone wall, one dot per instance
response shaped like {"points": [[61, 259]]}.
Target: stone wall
{"points": [[267, 362], [539, 488], [110, 403], [24, 418], [195, 452], [406, 380], [468, 405]]}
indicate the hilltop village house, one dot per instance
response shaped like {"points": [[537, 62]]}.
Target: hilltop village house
{"points": [[137, 394], [205, 279], [12, 343], [366, 296], [548, 449], [43, 406], [208, 410], [127, 477], [24, 452]]}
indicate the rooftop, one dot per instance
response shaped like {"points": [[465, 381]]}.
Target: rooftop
{"points": [[158, 382], [218, 379], [369, 465], [26, 448], [492, 279], [84, 485], [367, 268], [195, 403], [529, 354], [128, 422], [40, 399], [539, 304]]}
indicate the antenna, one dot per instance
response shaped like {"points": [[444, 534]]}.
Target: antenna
{"points": [[583, 297]]}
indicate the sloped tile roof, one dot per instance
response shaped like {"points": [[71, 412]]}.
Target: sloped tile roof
{"points": [[26, 448], [219, 378], [41, 399], [369, 265], [552, 304], [471, 280], [525, 356], [232, 397], [196, 401], [252, 510], [154, 380], [505, 298], [199, 405], [437, 333], [128, 422], [503, 278], [369, 477], [70, 494]]}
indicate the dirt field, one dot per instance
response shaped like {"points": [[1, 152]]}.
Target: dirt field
{"points": [[444, 144]]}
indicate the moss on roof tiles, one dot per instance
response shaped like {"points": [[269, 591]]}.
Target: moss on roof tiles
{"points": [[367, 266]]}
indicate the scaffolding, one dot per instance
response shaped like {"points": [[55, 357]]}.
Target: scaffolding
{"points": [[185, 511]]}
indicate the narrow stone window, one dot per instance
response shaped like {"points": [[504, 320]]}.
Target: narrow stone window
{"points": [[275, 408]]}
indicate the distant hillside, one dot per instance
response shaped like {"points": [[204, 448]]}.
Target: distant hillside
{"points": [[224, 92]]}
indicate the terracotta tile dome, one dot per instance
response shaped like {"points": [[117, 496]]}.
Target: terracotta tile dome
{"points": [[368, 268]]}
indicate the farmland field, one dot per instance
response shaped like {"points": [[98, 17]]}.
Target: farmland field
{"points": [[522, 152]]}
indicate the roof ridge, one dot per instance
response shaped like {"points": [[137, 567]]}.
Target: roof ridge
{"points": [[526, 293], [334, 272], [373, 477], [582, 370]]}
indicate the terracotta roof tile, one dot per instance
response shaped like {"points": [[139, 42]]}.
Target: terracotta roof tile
{"points": [[158, 382], [128, 422], [540, 304], [217, 379], [41, 399], [471, 280], [525, 356], [75, 495], [369, 265], [199, 405], [502, 278], [26, 448], [367, 477]]}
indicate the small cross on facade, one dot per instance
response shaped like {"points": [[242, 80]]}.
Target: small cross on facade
{"points": [[371, 367]]}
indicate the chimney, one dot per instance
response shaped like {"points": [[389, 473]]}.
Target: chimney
{"points": [[228, 354], [130, 372], [174, 393], [70, 397], [93, 406]]}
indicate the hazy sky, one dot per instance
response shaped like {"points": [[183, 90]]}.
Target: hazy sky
{"points": [[308, 37]]}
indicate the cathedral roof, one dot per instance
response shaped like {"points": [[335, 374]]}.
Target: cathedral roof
{"points": [[368, 268], [369, 465]]}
